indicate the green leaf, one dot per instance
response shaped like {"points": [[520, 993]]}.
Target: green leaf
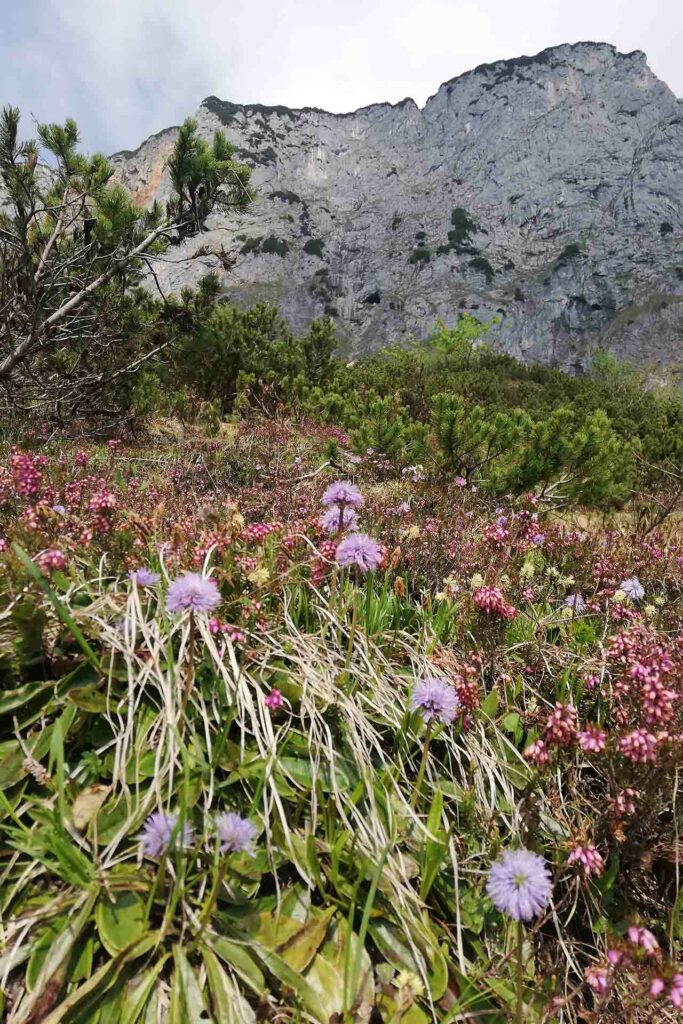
{"points": [[238, 957], [60, 608], [56, 959], [229, 1004], [434, 848], [300, 948], [489, 705], [192, 998], [101, 981], [121, 921], [299, 770], [292, 979]]}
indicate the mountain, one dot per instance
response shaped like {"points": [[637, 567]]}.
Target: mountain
{"points": [[546, 191]]}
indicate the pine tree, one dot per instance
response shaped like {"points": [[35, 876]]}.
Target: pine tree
{"points": [[72, 249]]}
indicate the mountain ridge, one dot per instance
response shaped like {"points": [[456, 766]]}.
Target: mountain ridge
{"points": [[567, 167]]}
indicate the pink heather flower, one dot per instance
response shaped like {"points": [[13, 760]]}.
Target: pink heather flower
{"points": [[236, 834], [192, 592], [598, 980], [657, 987], [614, 956], [460, 481], [589, 859], [638, 746], [274, 700], [538, 753], [633, 588], [561, 725], [676, 991], [50, 560], [336, 518], [492, 601], [343, 492], [436, 700], [592, 739], [625, 802], [519, 884], [144, 577], [361, 550], [644, 938], [161, 834]]}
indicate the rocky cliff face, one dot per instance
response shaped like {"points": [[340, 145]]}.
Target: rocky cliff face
{"points": [[546, 191]]}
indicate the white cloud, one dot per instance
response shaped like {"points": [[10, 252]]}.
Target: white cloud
{"points": [[126, 68]]}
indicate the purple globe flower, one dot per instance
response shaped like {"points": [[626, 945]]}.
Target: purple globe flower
{"points": [[343, 492], [161, 834], [576, 603], [331, 517], [360, 550], [520, 884], [193, 592], [633, 588], [235, 833], [144, 577], [436, 700]]}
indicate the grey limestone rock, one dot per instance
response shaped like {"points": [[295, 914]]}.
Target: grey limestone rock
{"points": [[546, 191]]}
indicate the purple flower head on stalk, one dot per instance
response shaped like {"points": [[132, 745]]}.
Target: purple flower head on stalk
{"points": [[361, 550], [343, 492], [519, 884], [436, 700], [633, 588], [576, 603], [144, 577], [193, 592], [236, 834], [160, 834], [332, 514]]}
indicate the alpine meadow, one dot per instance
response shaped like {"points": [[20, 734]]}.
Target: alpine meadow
{"points": [[341, 560]]}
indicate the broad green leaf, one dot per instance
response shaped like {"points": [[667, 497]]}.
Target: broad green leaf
{"points": [[120, 921]]}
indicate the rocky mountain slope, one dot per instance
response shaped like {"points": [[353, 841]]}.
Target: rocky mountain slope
{"points": [[546, 191]]}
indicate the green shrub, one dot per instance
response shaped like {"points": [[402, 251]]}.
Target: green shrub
{"points": [[275, 246], [420, 255], [482, 266], [314, 247]]}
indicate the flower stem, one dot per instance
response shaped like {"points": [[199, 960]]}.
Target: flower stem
{"points": [[189, 678], [423, 766], [352, 630], [519, 1015]]}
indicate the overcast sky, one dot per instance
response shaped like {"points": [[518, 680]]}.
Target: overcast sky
{"points": [[127, 68]]}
